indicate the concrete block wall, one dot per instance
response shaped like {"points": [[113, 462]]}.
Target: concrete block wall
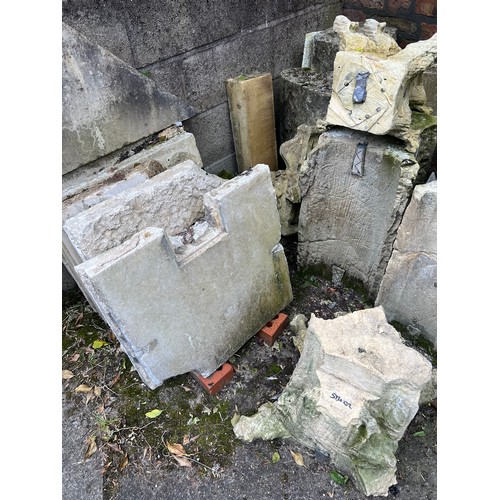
{"points": [[191, 48], [414, 19]]}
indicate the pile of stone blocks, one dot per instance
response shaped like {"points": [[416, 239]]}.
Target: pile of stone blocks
{"points": [[154, 241], [346, 186], [88, 186], [352, 395]]}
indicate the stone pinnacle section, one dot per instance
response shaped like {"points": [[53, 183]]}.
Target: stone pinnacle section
{"points": [[166, 300], [352, 395], [106, 103]]}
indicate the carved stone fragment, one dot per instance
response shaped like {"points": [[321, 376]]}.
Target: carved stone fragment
{"points": [[352, 396]]}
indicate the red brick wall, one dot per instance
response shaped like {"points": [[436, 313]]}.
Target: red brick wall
{"points": [[414, 19]]}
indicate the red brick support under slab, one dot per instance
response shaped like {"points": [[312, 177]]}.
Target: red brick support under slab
{"points": [[272, 330], [219, 378]]}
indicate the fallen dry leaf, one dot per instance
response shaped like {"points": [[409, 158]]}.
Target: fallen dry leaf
{"points": [[299, 460], [182, 461], [97, 391], [176, 449], [123, 463], [83, 388], [67, 374], [75, 357], [115, 379], [91, 448]]}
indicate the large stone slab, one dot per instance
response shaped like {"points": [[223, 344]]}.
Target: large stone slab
{"points": [[105, 178], [163, 289], [408, 291], [107, 103], [352, 395], [355, 187], [169, 147]]}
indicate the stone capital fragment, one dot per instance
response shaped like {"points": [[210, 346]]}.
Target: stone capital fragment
{"points": [[380, 103], [369, 37], [352, 395]]}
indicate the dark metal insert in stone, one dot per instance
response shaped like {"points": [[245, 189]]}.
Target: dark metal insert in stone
{"points": [[358, 163], [359, 94]]}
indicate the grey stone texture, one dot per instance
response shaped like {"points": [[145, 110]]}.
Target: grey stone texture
{"points": [[190, 49], [106, 103], [408, 291], [173, 199], [347, 220], [303, 98], [102, 180], [325, 48], [352, 395], [169, 147], [163, 288], [429, 80], [216, 145], [81, 478]]}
